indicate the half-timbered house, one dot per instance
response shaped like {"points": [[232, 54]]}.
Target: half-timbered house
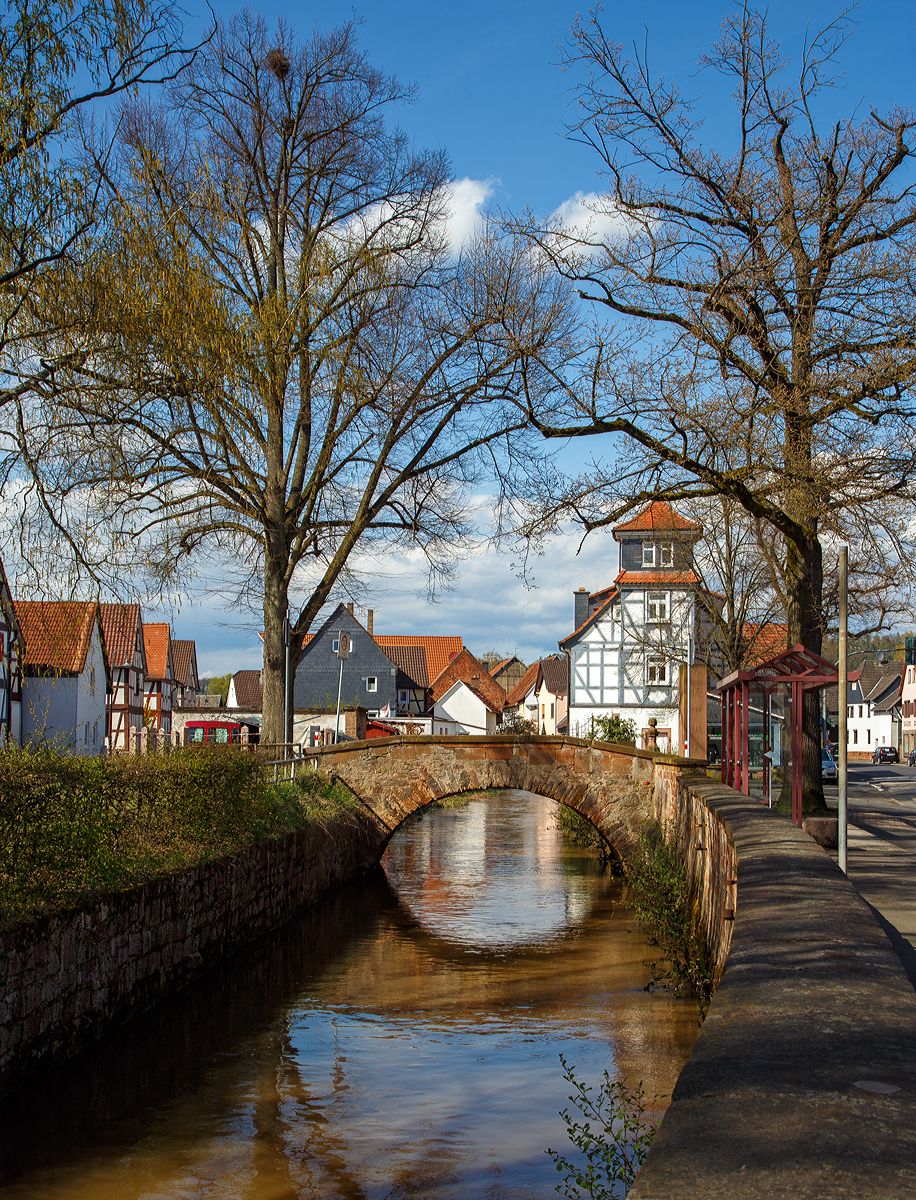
{"points": [[187, 680], [631, 637], [160, 685], [125, 657], [11, 647]]}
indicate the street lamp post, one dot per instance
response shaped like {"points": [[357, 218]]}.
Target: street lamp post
{"points": [[842, 706]]}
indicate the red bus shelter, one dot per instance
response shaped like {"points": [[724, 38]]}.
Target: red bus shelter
{"points": [[760, 706]]}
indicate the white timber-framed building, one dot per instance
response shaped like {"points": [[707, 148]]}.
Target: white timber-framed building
{"points": [[632, 637]]}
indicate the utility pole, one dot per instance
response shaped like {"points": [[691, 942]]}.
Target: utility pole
{"points": [[842, 671]]}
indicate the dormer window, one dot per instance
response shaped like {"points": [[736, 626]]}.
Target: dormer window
{"points": [[658, 554], [667, 554], [648, 554]]}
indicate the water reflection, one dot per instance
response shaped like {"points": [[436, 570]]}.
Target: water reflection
{"points": [[396, 1041]]}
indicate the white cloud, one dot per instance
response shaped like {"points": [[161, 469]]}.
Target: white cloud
{"points": [[467, 198], [589, 217]]}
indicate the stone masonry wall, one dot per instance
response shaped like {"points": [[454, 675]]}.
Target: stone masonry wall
{"points": [[69, 976]]}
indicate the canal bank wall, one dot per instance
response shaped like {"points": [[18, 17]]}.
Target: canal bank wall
{"points": [[802, 1081], [70, 976]]}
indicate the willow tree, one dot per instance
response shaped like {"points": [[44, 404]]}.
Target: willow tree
{"points": [[761, 341], [277, 358]]}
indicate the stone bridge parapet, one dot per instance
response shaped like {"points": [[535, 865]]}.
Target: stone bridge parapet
{"points": [[613, 786]]}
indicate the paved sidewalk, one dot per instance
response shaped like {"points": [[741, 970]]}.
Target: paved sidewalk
{"points": [[884, 873]]}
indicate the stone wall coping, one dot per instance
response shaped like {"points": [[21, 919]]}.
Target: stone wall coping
{"points": [[802, 1081], [500, 739]]}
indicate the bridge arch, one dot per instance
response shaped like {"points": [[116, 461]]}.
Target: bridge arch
{"points": [[611, 786]]}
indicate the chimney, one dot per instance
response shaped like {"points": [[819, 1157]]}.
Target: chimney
{"points": [[370, 617], [581, 609], [350, 608]]}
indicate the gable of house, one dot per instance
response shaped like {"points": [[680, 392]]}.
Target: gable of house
{"points": [[246, 690], [468, 669], [368, 679], [184, 659]]}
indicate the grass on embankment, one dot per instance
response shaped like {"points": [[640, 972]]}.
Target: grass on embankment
{"points": [[74, 827]]}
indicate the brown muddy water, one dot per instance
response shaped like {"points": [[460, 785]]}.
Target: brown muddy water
{"points": [[399, 1041]]}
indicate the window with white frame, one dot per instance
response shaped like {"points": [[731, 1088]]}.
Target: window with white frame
{"points": [[656, 606], [648, 554], [335, 645], [372, 684], [666, 557], [403, 696], [656, 669]]}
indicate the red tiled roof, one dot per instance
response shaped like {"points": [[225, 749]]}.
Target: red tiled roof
{"points": [[249, 691], [411, 661], [497, 667], [555, 673], [184, 656], [440, 651], [119, 632], [56, 633], [657, 577], [156, 640], [469, 670], [658, 515], [764, 640], [524, 686]]}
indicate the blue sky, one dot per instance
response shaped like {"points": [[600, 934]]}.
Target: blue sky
{"points": [[490, 93]]}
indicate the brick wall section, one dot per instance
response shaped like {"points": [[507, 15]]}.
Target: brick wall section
{"points": [[472, 672], [70, 976]]}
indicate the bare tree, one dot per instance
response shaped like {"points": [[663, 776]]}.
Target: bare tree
{"points": [[59, 63], [763, 299], [276, 358]]}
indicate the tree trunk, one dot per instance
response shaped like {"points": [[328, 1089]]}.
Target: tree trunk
{"points": [[273, 713], [804, 588]]}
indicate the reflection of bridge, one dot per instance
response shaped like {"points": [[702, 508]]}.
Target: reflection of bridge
{"points": [[803, 1079], [394, 777]]}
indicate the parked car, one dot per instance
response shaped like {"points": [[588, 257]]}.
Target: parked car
{"points": [[912, 758], [885, 754], [828, 765]]}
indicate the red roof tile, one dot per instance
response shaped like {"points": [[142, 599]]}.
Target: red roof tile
{"points": [[56, 633], [249, 691], [119, 632], [555, 673], [156, 640], [440, 651], [659, 515], [765, 640], [411, 661], [184, 657], [641, 577]]}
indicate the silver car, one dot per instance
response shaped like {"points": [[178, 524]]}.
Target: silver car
{"points": [[828, 765]]}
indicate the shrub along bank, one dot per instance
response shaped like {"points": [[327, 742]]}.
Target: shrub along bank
{"points": [[74, 827]]}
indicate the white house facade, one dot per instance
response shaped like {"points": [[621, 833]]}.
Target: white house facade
{"points": [[65, 675], [872, 704], [631, 637], [462, 710]]}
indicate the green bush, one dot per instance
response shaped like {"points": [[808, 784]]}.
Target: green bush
{"points": [[612, 729], [664, 904], [72, 826], [614, 1138]]}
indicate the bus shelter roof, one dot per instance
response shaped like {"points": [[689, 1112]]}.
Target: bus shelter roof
{"points": [[798, 666]]}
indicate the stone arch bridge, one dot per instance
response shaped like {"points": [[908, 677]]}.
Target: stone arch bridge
{"points": [[617, 788]]}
